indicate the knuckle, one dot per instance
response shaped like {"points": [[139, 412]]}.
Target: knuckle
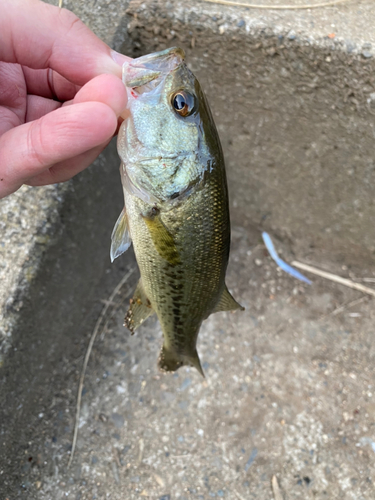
{"points": [[36, 146], [70, 21]]}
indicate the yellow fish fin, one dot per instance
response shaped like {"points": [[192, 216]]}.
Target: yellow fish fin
{"points": [[162, 239], [121, 239], [170, 360], [140, 309], [227, 302]]}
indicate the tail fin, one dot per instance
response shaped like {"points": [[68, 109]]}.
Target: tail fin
{"points": [[170, 360]]}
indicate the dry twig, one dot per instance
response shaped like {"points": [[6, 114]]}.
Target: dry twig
{"points": [[276, 489], [87, 357], [352, 303], [277, 7], [335, 278], [141, 450], [240, 497]]}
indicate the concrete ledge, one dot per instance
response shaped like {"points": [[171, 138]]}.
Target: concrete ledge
{"points": [[28, 221]]}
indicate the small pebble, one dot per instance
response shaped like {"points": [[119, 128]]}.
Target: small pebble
{"points": [[350, 47], [183, 405], [118, 420], [115, 472], [253, 455], [185, 383]]}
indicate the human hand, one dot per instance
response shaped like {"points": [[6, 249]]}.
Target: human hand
{"points": [[60, 94]]}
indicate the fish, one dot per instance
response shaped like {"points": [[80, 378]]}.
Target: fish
{"points": [[176, 211]]}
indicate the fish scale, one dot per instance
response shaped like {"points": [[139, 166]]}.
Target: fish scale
{"points": [[176, 206]]}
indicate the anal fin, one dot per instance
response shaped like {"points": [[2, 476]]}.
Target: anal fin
{"points": [[140, 309], [121, 239], [227, 302]]}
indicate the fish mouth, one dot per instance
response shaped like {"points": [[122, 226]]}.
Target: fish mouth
{"points": [[163, 157], [150, 68]]}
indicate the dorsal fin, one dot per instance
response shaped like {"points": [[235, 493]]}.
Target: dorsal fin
{"points": [[227, 302]]}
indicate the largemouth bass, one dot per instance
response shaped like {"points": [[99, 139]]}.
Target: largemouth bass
{"points": [[176, 204]]}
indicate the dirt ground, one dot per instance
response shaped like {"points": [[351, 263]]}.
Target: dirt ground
{"points": [[288, 392]]}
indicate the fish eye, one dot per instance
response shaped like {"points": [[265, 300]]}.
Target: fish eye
{"points": [[183, 103]]}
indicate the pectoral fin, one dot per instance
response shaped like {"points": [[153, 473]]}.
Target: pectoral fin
{"points": [[162, 239], [140, 309], [227, 302], [121, 239]]}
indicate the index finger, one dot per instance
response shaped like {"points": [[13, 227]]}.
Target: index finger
{"points": [[39, 35]]}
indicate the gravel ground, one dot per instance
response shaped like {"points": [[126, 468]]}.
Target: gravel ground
{"points": [[288, 392]]}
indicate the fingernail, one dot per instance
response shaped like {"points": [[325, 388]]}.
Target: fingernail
{"points": [[120, 59]]}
